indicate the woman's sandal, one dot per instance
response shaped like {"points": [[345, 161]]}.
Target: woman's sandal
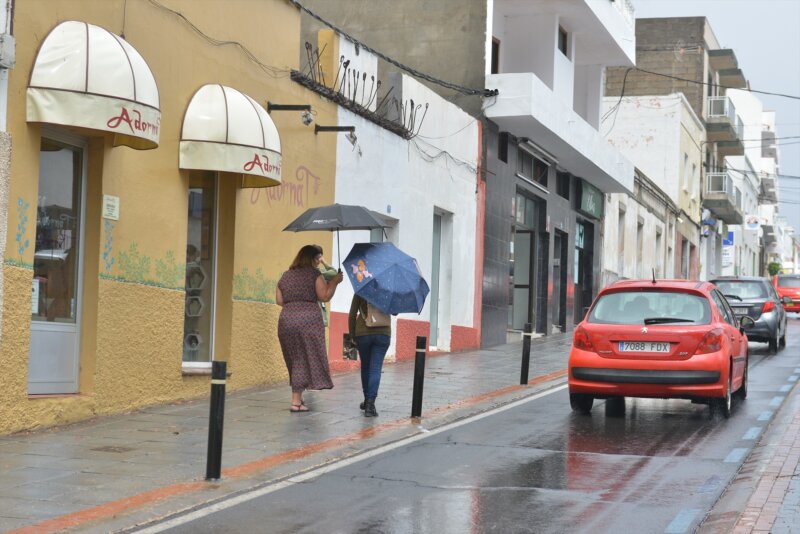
{"points": [[298, 408]]}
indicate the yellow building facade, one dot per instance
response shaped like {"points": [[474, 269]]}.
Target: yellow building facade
{"points": [[128, 270]]}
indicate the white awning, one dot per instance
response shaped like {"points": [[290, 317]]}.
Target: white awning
{"points": [[226, 130], [85, 76]]}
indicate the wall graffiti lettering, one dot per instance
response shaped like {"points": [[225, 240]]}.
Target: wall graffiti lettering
{"points": [[295, 193]]}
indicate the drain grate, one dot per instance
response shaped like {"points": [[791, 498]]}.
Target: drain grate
{"points": [[112, 448]]}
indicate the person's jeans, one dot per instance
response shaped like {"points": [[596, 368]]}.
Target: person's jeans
{"points": [[372, 349]]}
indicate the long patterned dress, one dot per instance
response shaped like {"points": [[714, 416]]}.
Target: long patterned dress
{"points": [[301, 331]]}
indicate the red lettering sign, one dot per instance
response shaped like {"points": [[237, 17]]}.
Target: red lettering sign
{"points": [[263, 165], [134, 124]]}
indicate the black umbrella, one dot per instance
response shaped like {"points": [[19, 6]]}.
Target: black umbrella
{"points": [[336, 217]]}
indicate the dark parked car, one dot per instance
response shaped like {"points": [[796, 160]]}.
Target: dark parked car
{"points": [[788, 285], [756, 297]]}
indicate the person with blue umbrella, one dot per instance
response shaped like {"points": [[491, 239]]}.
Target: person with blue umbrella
{"points": [[386, 281], [372, 332]]}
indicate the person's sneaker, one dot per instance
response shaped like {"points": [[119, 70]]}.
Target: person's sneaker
{"points": [[361, 406], [369, 409]]}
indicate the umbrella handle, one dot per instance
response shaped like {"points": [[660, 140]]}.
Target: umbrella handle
{"points": [[339, 250]]}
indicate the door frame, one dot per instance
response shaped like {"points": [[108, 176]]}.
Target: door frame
{"points": [[81, 143]]}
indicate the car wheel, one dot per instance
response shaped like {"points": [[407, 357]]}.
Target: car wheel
{"points": [[782, 340], [742, 391], [581, 403], [615, 407], [773, 344], [723, 406]]}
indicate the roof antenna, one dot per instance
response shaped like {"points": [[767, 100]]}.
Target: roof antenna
{"points": [[654, 276]]}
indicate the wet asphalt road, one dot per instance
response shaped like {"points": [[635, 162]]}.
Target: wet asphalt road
{"points": [[537, 467]]}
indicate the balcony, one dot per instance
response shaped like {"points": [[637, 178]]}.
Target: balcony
{"points": [[768, 193], [526, 107], [724, 127], [722, 122], [723, 198], [722, 59]]}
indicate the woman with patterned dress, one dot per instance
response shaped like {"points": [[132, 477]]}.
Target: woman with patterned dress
{"points": [[301, 331]]}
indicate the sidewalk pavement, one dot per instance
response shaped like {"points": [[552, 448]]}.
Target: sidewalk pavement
{"points": [[112, 472]]}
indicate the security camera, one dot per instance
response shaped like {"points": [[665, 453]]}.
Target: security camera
{"points": [[307, 117]]}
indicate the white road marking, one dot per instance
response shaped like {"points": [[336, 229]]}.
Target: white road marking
{"points": [[735, 456], [785, 388], [682, 521], [314, 473], [777, 400], [765, 416], [752, 433], [793, 378]]}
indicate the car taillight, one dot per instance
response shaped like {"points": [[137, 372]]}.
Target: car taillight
{"points": [[580, 340], [712, 342], [768, 306]]}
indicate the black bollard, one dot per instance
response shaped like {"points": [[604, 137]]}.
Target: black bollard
{"points": [[215, 420], [526, 354], [419, 376]]}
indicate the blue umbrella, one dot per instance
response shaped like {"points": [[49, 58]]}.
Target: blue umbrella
{"points": [[386, 277]]}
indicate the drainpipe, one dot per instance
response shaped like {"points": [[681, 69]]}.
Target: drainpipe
{"points": [[7, 56]]}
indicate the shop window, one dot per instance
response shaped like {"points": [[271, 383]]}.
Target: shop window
{"points": [[525, 211], [200, 268], [55, 260], [531, 168]]}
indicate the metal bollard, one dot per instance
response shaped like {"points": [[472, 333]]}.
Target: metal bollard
{"points": [[215, 420], [526, 354], [419, 376]]}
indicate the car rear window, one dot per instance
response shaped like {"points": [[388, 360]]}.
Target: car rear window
{"points": [[789, 281], [744, 289], [660, 307]]}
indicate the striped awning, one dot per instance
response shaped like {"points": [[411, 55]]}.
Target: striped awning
{"points": [[226, 130], [87, 77]]}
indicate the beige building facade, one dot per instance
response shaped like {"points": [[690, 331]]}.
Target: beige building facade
{"points": [[127, 271]]}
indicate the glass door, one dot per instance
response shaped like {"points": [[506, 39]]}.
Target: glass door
{"points": [[53, 364]]}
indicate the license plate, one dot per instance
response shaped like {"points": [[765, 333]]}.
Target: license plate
{"points": [[643, 346], [740, 311]]}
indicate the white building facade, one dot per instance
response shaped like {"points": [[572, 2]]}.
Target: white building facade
{"points": [[742, 247], [662, 136], [636, 230], [426, 189]]}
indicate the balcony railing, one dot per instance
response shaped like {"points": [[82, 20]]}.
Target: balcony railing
{"points": [[721, 182], [721, 106], [739, 127]]}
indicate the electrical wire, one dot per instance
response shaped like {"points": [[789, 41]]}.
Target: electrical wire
{"points": [[413, 72], [616, 107], [698, 82], [274, 72], [427, 156]]}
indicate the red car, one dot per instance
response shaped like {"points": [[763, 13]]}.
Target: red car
{"points": [[659, 339], [788, 285]]}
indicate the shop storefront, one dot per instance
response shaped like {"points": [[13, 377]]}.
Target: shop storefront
{"points": [[149, 188], [551, 258]]}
